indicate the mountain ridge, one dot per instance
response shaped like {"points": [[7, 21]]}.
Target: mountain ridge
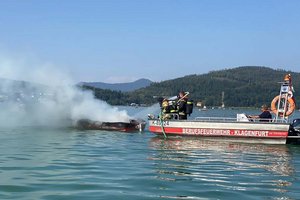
{"points": [[245, 86], [124, 87]]}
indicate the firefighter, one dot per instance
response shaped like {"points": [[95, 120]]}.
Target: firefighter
{"points": [[181, 105], [165, 109]]}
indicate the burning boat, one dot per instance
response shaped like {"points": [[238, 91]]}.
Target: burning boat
{"points": [[134, 125]]}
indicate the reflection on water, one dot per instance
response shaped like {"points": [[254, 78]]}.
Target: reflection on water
{"points": [[222, 165]]}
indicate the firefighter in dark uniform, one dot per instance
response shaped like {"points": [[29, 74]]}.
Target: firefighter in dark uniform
{"points": [[181, 105]]}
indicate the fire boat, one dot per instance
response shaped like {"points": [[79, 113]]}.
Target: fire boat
{"points": [[279, 130]]}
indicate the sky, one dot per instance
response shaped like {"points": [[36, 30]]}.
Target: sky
{"points": [[118, 41]]}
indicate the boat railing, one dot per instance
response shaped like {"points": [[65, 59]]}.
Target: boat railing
{"points": [[175, 116], [215, 119], [228, 119]]}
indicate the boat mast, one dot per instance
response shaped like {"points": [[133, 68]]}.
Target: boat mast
{"points": [[286, 92], [223, 105]]}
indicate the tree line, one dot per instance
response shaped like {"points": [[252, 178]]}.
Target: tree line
{"points": [[242, 86]]}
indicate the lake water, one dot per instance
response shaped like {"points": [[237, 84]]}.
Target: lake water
{"points": [[62, 163]]}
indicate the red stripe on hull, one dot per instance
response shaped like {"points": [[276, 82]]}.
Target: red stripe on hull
{"points": [[220, 132]]}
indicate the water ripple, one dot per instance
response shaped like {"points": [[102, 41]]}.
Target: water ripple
{"points": [[70, 164]]}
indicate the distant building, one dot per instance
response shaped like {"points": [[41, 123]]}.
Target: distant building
{"points": [[133, 104], [199, 104]]}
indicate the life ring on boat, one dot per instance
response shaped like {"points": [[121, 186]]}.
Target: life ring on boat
{"points": [[290, 105]]}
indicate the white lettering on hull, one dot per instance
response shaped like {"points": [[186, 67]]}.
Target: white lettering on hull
{"points": [[200, 131], [250, 133], [225, 132]]}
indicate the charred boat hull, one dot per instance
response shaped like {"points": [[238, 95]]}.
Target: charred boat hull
{"points": [[132, 126]]}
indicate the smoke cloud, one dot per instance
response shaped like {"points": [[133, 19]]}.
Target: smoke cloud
{"points": [[42, 95]]}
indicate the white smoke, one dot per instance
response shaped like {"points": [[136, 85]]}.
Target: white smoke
{"points": [[51, 98]]}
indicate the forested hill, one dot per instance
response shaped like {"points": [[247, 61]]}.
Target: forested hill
{"points": [[242, 87]]}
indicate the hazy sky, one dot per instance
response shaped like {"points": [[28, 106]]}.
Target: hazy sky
{"points": [[123, 40]]}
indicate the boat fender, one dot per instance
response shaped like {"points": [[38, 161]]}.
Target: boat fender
{"points": [[290, 107]]}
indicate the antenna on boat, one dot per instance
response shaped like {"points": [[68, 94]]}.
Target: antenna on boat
{"points": [[284, 105]]}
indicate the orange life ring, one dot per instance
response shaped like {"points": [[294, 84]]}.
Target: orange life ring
{"points": [[290, 106]]}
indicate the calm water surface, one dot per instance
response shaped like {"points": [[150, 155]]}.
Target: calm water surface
{"points": [[40, 163]]}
